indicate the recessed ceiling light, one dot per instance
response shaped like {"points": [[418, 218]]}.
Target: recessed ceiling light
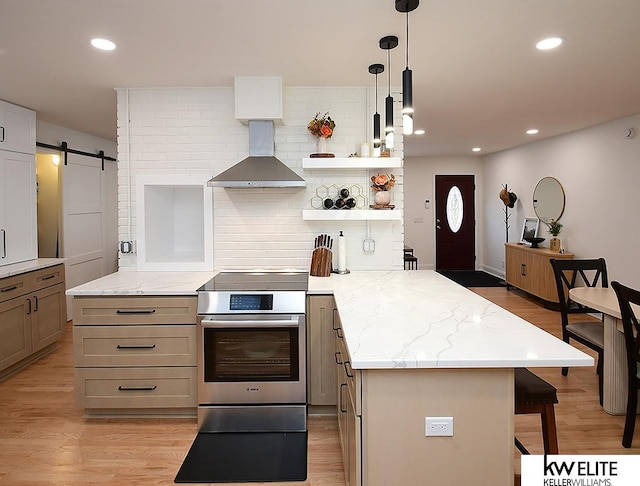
{"points": [[550, 43], [532, 131], [476, 149], [419, 132], [103, 44]]}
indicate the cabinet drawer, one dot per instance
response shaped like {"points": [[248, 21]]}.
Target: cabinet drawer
{"points": [[97, 346], [134, 310], [46, 277], [15, 286], [135, 387]]}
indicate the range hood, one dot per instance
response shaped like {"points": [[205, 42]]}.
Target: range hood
{"points": [[261, 168]]}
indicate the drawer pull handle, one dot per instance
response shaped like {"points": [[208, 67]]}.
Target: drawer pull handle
{"points": [[49, 277], [346, 369], [343, 410], [136, 346], [135, 311], [337, 353], [137, 388], [9, 289]]}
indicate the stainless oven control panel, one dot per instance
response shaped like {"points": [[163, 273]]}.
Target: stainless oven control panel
{"points": [[254, 302]]}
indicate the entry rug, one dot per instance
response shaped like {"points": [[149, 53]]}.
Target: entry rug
{"points": [[244, 457], [587, 470], [473, 278]]}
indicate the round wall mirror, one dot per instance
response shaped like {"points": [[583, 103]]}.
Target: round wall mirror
{"points": [[548, 199]]}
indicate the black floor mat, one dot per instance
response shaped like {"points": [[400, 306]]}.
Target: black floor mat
{"points": [[473, 278], [245, 457]]}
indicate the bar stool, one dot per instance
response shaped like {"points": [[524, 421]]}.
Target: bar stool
{"points": [[535, 395], [411, 262]]}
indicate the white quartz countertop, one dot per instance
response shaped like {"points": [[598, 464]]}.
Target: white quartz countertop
{"points": [[420, 319], [395, 319], [144, 283], [28, 266]]}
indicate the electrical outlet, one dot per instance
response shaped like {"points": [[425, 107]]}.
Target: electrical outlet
{"points": [[368, 246], [438, 426], [127, 247]]}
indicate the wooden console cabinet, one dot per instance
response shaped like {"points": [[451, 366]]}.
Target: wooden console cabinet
{"points": [[529, 269]]}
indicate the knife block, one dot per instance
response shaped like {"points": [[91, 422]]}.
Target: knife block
{"points": [[321, 262]]}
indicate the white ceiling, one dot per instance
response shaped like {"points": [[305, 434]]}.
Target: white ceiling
{"points": [[478, 79]]}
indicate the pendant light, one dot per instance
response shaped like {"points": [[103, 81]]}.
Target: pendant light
{"points": [[376, 69], [387, 43], [407, 6]]}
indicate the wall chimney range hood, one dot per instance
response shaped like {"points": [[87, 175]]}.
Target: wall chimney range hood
{"points": [[261, 168]]}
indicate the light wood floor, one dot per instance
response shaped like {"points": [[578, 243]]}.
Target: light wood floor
{"points": [[44, 439]]}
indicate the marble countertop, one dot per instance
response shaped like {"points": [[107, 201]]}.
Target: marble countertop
{"points": [[395, 319], [28, 266], [144, 283], [420, 319]]}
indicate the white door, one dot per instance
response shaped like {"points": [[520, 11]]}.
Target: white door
{"points": [[83, 221]]}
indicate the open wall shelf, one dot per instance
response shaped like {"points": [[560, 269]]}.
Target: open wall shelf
{"points": [[352, 163], [351, 215]]}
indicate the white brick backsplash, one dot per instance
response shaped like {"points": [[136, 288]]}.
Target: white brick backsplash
{"points": [[194, 130]]}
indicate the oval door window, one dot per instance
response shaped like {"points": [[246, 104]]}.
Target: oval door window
{"points": [[454, 209]]}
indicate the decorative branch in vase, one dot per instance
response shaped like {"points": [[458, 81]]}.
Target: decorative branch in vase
{"points": [[322, 128], [381, 185]]}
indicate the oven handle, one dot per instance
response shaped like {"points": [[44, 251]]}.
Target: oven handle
{"points": [[213, 323]]}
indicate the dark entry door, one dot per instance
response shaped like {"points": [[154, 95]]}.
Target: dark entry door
{"points": [[455, 222]]}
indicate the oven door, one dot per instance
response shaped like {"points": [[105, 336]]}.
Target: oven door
{"points": [[252, 359]]}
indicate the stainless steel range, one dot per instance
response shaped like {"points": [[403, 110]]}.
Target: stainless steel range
{"points": [[252, 413], [252, 352]]}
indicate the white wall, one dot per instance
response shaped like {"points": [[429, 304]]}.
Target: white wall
{"points": [[194, 131], [419, 185], [53, 135], [600, 172]]}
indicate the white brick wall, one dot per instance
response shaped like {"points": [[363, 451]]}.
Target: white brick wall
{"points": [[194, 131]]}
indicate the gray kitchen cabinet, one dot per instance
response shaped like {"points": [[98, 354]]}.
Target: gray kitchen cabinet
{"points": [[135, 354], [32, 316], [321, 379]]}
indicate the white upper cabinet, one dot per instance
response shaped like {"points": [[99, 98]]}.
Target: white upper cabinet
{"points": [[17, 129], [18, 227], [258, 98]]}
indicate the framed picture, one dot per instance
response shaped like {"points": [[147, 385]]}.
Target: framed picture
{"points": [[529, 229]]}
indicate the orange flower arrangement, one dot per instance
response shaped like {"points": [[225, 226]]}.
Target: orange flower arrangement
{"points": [[383, 182], [321, 127]]}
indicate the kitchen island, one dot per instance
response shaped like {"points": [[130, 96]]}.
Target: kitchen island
{"points": [[409, 345], [415, 345]]}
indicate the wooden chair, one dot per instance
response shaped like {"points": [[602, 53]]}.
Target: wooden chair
{"points": [[626, 297], [569, 274], [535, 395]]}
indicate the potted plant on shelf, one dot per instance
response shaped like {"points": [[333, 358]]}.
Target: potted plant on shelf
{"points": [[555, 228], [322, 128], [381, 185]]}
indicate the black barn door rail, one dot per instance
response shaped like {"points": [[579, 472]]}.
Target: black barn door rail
{"points": [[63, 147]]}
